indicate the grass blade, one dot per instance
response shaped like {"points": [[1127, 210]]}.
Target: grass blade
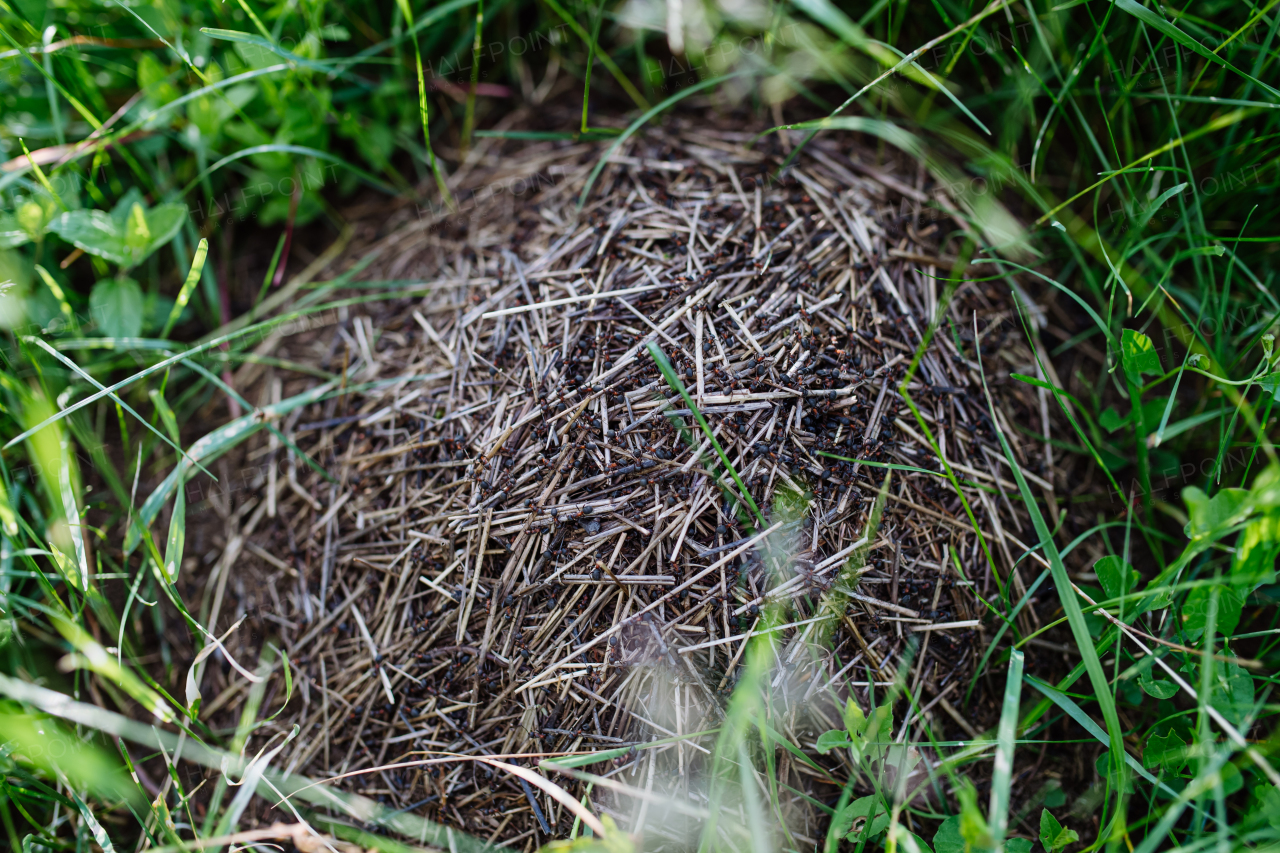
{"points": [[886, 130], [114, 397], [177, 537], [425, 114], [71, 511], [184, 295], [642, 120], [632, 92], [99, 834], [71, 99], [288, 442], [751, 801], [268, 44], [279, 148], [669, 373], [212, 343], [1075, 712], [1158, 22], [1066, 591], [1004, 626], [469, 116], [210, 447], [1002, 775]]}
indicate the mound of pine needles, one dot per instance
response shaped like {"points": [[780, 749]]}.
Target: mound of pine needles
{"points": [[562, 490]]}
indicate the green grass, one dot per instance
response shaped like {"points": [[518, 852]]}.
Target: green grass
{"points": [[1138, 145]]}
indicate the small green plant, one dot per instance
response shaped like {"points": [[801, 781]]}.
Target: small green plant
{"points": [[1053, 835]]}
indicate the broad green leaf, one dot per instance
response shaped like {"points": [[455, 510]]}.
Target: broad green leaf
{"points": [[1208, 515], [1269, 383], [1116, 576], [154, 79], [33, 217], [615, 840], [834, 739], [1168, 751], [1232, 779], [1254, 562], [1195, 612], [209, 114], [136, 233], [1161, 689], [1232, 692], [863, 819], [93, 231], [907, 841], [11, 231], [1018, 845], [877, 733], [1053, 835], [1228, 507], [1138, 355], [1110, 419], [126, 241], [948, 838], [116, 305], [124, 205], [1197, 512], [854, 720], [156, 308], [1266, 488], [1267, 807]]}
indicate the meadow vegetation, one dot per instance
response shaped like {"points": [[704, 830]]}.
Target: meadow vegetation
{"points": [[1136, 143]]}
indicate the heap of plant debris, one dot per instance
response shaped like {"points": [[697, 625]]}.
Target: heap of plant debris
{"points": [[566, 482]]}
